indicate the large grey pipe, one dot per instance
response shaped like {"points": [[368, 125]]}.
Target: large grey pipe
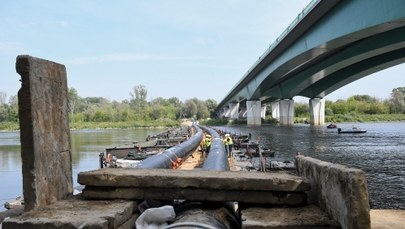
{"points": [[182, 150], [208, 215], [217, 159]]}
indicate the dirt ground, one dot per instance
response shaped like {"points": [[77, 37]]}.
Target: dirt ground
{"points": [[387, 219]]}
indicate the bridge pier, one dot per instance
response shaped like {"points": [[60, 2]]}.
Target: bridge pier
{"points": [[254, 108], [286, 107], [243, 113], [233, 111], [225, 114], [275, 110], [317, 110], [263, 111]]}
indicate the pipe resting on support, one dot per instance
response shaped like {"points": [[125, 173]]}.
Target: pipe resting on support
{"points": [[166, 159], [207, 215]]}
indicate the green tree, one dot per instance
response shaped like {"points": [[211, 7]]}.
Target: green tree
{"points": [[189, 109], [138, 97], [74, 101], [397, 101], [301, 110], [211, 106], [13, 109], [3, 97]]}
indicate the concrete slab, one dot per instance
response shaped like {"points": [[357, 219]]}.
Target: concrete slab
{"points": [[192, 194], [76, 213], [218, 180], [299, 217]]}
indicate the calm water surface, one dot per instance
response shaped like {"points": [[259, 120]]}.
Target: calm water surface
{"points": [[380, 153], [86, 146]]}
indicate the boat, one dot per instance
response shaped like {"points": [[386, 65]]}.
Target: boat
{"points": [[131, 154], [331, 126], [353, 130], [136, 148]]}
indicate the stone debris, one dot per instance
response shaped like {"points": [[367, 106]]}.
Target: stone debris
{"points": [[78, 213]]}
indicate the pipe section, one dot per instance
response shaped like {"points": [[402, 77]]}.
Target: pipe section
{"points": [[217, 159], [166, 159]]}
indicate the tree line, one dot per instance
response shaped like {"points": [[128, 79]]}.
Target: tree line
{"points": [[360, 108], [138, 111]]}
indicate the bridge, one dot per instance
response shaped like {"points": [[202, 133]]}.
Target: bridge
{"points": [[330, 44]]}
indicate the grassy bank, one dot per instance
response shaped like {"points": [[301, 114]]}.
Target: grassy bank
{"points": [[105, 125], [10, 126], [358, 118]]}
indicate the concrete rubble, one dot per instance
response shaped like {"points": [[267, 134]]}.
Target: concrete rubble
{"points": [[78, 213]]}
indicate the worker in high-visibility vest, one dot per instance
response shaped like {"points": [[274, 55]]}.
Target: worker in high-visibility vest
{"points": [[228, 144], [208, 142]]}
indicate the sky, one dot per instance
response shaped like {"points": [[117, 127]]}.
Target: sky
{"points": [[178, 48]]}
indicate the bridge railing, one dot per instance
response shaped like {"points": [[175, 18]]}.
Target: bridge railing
{"points": [[290, 27]]}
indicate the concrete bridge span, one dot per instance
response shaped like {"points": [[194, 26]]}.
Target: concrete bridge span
{"points": [[329, 45]]}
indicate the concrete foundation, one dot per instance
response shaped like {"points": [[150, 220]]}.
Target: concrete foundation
{"points": [[263, 112], [243, 113], [243, 187], [233, 110], [254, 109], [317, 111], [286, 112], [338, 190], [45, 134], [275, 110]]}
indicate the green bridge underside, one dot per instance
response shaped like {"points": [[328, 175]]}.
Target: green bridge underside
{"points": [[336, 43]]}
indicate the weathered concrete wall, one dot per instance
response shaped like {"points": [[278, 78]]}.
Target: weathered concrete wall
{"points": [[338, 190], [45, 136]]}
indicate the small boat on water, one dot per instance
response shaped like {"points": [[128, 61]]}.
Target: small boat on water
{"points": [[331, 126], [353, 130]]}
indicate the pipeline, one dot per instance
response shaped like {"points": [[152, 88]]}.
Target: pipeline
{"points": [[217, 159], [220, 215], [171, 156]]}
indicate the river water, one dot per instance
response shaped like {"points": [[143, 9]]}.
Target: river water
{"points": [[380, 153]]}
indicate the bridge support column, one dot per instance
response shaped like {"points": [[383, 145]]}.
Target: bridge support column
{"points": [[263, 112], [317, 110], [254, 108], [275, 110], [219, 113], [242, 113], [226, 113], [286, 112], [233, 111]]}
